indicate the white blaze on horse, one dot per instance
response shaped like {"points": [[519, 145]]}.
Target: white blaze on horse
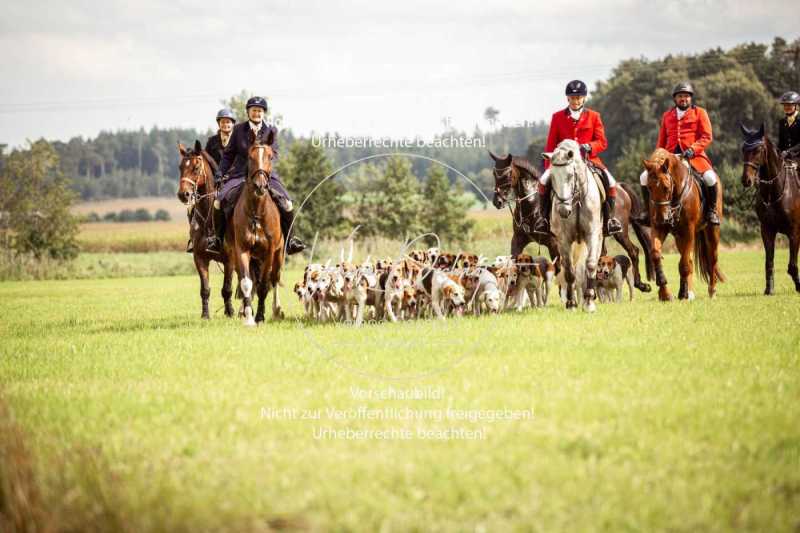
{"points": [[577, 202]]}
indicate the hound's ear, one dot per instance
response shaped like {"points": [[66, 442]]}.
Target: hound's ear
{"points": [[182, 149], [547, 155], [197, 146], [447, 291]]}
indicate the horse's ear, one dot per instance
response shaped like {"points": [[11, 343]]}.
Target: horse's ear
{"points": [[761, 131], [665, 166], [182, 149], [747, 132], [197, 146], [508, 159], [270, 137], [251, 137], [494, 157], [547, 155]]}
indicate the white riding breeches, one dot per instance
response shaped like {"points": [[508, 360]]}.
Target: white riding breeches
{"points": [[545, 178], [709, 178]]}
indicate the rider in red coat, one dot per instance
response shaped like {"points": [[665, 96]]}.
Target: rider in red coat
{"points": [[686, 130], [586, 127]]}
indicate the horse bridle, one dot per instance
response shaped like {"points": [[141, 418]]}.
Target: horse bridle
{"points": [[575, 185], [762, 147], [674, 207], [505, 179], [200, 175], [259, 171]]}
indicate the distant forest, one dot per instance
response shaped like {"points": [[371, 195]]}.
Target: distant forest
{"points": [[739, 84]]}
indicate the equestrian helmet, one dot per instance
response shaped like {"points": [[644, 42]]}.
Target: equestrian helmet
{"points": [[790, 98], [683, 87], [226, 113], [576, 88], [257, 101]]}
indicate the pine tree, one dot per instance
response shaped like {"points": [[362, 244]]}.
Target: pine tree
{"points": [[445, 209], [390, 204], [303, 167]]}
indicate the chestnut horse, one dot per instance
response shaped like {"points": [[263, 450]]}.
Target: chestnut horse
{"points": [[777, 201], [676, 208], [255, 233], [196, 189], [516, 180]]}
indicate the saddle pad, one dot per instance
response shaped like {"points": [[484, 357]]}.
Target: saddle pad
{"points": [[698, 179], [597, 179]]}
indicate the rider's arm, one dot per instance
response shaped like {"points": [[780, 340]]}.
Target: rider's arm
{"points": [[229, 154], [783, 142], [662, 133], [274, 145], [599, 142], [704, 136]]}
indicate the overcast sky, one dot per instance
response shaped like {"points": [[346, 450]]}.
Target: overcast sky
{"points": [[359, 68]]}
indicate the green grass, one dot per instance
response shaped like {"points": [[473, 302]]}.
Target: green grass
{"points": [[647, 416]]}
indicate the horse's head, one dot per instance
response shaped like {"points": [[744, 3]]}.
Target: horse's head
{"points": [[662, 167], [193, 173], [504, 179], [565, 165], [259, 162], [754, 154]]}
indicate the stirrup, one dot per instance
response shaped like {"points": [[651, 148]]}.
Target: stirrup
{"points": [[213, 244], [712, 218], [542, 226]]}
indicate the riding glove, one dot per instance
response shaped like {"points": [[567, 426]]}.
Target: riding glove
{"points": [[688, 153], [586, 148]]}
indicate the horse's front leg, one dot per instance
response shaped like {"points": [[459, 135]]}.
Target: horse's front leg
{"points": [[569, 279], [262, 291], [227, 281], [519, 241], [685, 245], [658, 235], [768, 238], [205, 290], [594, 245], [794, 245], [246, 284]]}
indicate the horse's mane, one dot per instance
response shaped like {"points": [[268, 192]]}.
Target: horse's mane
{"points": [[526, 165], [564, 146], [659, 156]]}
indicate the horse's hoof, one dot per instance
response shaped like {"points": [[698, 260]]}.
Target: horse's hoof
{"points": [[644, 287], [205, 316], [590, 307], [664, 295]]}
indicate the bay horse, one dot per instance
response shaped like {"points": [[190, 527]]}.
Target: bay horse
{"points": [[255, 233], [777, 199], [196, 190], [676, 208], [576, 217], [516, 180]]}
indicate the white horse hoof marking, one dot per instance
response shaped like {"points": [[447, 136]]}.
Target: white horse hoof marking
{"points": [[690, 296]]}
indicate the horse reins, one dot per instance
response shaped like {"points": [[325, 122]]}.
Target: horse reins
{"points": [[505, 180], [759, 181]]}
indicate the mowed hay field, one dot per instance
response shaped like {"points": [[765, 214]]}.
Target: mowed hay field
{"points": [[138, 416]]}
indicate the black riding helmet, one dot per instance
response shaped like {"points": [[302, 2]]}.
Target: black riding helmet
{"points": [[790, 97], [576, 88], [683, 87], [257, 101]]}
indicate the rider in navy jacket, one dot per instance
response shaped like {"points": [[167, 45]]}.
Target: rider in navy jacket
{"points": [[233, 171]]}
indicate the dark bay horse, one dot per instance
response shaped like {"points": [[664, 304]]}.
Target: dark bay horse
{"points": [[255, 233], [196, 189], [676, 208], [516, 180], [777, 200]]}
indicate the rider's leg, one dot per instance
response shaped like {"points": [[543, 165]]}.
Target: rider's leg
{"points": [[542, 224], [710, 183], [214, 242], [281, 196], [644, 217], [190, 244], [613, 225]]}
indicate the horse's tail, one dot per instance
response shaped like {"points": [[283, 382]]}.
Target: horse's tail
{"points": [[638, 229], [703, 259]]}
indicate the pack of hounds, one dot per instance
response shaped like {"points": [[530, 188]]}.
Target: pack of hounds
{"points": [[431, 283]]}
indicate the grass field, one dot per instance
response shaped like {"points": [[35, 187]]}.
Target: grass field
{"points": [[138, 416]]}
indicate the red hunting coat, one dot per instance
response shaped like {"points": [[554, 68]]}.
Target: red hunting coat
{"points": [[692, 131], [588, 129]]}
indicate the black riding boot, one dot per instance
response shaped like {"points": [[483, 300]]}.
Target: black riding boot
{"points": [[542, 225], [711, 205], [294, 245], [613, 226], [214, 242], [190, 244], [643, 218]]}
